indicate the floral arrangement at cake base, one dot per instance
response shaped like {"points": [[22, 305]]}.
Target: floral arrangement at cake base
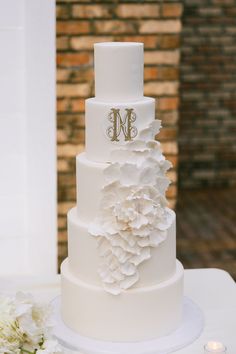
{"points": [[25, 326]]}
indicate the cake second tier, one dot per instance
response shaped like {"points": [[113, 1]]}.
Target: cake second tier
{"points": [[111, 125]]}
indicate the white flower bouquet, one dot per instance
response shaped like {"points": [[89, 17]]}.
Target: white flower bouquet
{"points": [[25, 326]]}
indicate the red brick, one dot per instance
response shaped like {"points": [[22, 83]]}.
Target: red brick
{"points": [[170, 41], [62, 222], [166, 57], [75, 74], [69, 150], [150, 73], [159, 88], [86, 74], [72, 59], [168, 118], [225, 2], [62, 136], [114, 27], [68, 194], [168, 73], [138, 10], [62, 11], [170, 148], [172, 175], [70, 105], [64, 207], [72, 119], [63, 105], [66, 180], [62, 74], [168, 103], [62, 253], [160, 26], [78, 105], [150, 41], [74, 135], [62, 165], [173, 158], [171, 191], [87, 42], [91, 11], [161, 73], [69, 1], [62, 43], [210, 11], [73, 90], [167, 134], [172, 10], [73, 27], [62, 236]]}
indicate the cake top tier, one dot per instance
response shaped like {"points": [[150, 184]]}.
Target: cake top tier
{"points": [[118, 71]]}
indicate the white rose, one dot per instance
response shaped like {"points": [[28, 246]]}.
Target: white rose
{"points": [[50, 347], [23, 324]]}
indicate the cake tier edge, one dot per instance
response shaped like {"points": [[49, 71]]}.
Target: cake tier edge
{"points": [[84, 258], [135, 315]]}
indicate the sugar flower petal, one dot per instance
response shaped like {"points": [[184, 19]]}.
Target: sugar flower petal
{"points": [[133, 216]]}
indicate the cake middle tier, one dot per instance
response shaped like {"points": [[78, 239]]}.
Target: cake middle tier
{"points": [[109, 125], [84, 258], [89, 184]]}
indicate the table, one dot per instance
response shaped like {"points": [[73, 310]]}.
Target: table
{"points": [[212, 289]]}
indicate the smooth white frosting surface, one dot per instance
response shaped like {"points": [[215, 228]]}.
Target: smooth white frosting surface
{"points": [[135, 315], [84, 255], [89, 184], [98, 144], [118, 71]]}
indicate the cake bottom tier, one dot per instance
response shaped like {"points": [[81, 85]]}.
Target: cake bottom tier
{"points": [[135, 315]]}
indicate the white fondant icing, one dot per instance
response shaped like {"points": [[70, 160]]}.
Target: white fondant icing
{"points": [[133, 214], [84, 258], [90, 180], [118, 71], [189, 330], [137, 314], [89, 183], [98, 145]]}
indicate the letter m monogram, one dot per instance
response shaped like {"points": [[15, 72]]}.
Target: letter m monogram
{"points": [[122, 126]]}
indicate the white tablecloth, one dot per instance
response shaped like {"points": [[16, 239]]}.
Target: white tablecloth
{"points": [[212, 289]]}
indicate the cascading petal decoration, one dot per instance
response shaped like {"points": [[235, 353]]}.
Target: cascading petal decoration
{"points": [[133, 216]]}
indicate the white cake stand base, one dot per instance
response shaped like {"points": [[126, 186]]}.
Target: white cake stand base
{"points": [[189, 330]]}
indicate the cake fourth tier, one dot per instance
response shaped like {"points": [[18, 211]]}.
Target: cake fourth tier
{"points": [[121, 281]]}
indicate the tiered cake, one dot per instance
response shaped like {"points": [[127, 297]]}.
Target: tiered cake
{"points": [[121, 280]]}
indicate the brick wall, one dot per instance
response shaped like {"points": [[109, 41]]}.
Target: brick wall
{"points": [[79, 25], [207, 134]]}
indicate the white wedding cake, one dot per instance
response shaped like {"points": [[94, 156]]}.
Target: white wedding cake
{"points": [[121, 281]]}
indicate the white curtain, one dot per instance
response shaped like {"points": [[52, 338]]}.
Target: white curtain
{"points": [[27, 137]]}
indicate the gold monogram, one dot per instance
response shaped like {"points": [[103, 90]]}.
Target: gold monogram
{"points": [[119, 125]]}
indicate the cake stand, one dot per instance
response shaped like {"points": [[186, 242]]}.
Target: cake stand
{"points": [[189, 330]]}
